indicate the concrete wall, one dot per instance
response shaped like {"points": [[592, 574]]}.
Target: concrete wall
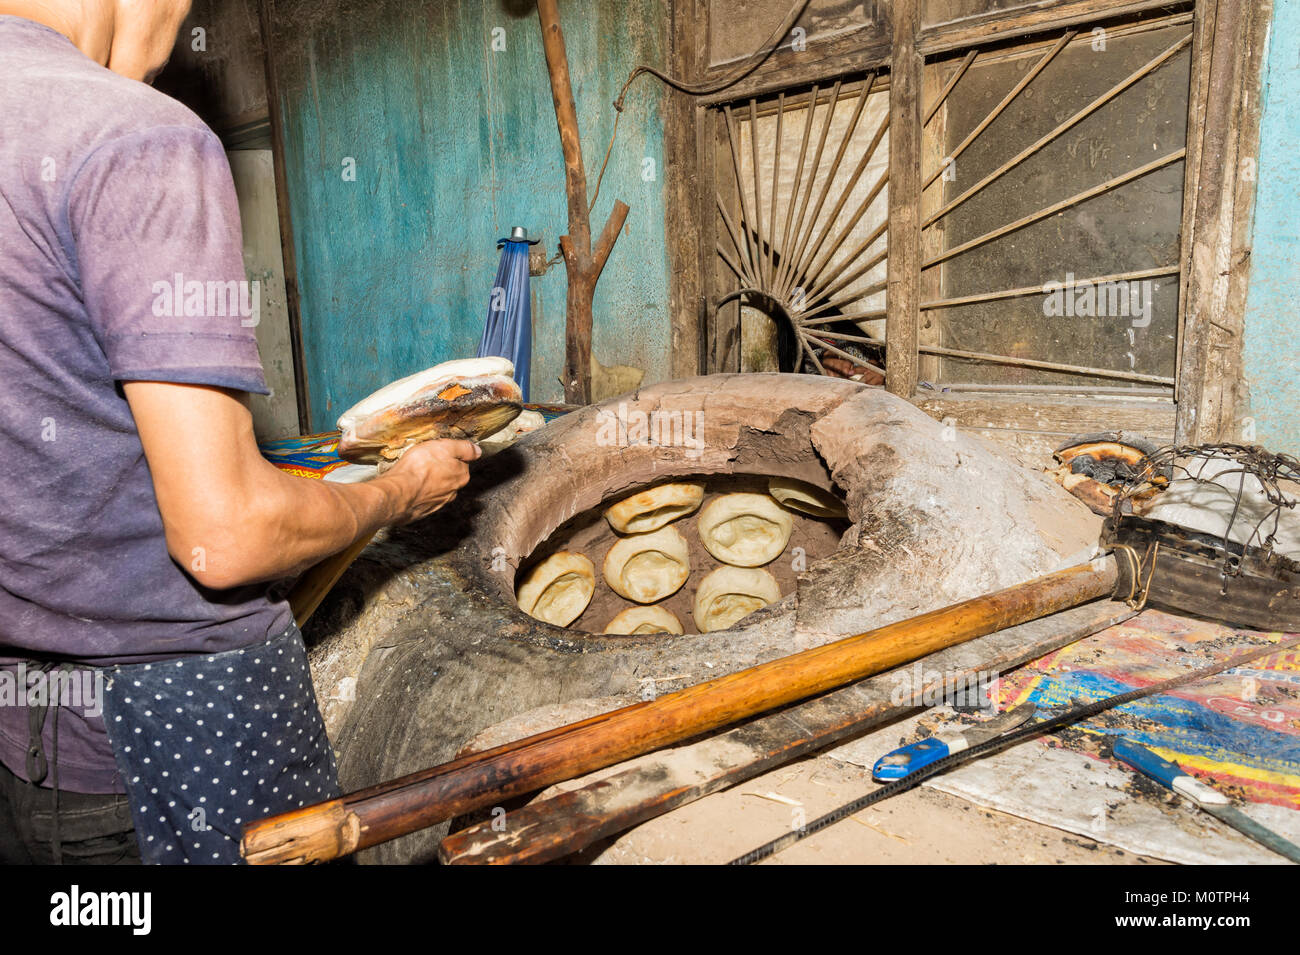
{"points": [[1272, 340], [452, 143], [274, 415]]}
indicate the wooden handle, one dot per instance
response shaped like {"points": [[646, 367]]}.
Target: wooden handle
{"points": [[422, 799], [311, 588]]}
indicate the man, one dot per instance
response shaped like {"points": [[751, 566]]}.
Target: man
{"points": [[142, 535]]}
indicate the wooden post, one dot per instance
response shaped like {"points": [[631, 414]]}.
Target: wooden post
{"points": [[582, 263], [1224, 124], [903, 270]]}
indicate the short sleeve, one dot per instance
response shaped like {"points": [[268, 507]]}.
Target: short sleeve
{"points": [[154, 228]]}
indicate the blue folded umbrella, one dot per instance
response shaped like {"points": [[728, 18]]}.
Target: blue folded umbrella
{"points": [[508, 331]]}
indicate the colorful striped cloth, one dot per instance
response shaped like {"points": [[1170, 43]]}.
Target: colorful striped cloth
{"points": [[1239, 730]]}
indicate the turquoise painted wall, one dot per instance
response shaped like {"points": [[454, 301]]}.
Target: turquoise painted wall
{"points": [[453, 143], [1271, 347]]}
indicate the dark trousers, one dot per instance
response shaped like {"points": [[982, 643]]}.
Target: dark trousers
{"points": [[92, 829]]}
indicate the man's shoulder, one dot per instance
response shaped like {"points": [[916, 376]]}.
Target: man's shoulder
{"points": [[70, 101]]}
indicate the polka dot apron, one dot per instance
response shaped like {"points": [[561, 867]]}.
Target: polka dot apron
{"points": [[206, 744]]}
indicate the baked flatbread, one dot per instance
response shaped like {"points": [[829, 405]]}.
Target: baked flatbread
{"points": [[745, 530], [808, 498], [654, 507], [648, 567], [558, 589], [730, 593], [638, 620], [470, 398]]}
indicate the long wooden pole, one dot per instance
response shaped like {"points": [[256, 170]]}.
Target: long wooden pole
{"points": [[341, 826], [582, 263]]}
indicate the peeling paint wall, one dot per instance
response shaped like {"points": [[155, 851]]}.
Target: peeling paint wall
{"points": [[453, 142], [1271, 351]]}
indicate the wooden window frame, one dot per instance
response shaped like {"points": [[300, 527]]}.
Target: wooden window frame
{"points": [[1223, 133]]}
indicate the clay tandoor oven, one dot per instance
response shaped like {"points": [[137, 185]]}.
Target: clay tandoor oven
{"points": [[421, 649]]}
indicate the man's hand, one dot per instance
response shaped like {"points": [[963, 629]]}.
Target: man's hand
{"points": [[435, 471], [232, 518]]}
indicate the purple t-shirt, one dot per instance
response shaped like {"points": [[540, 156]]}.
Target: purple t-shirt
{"points": [[119, 244]]}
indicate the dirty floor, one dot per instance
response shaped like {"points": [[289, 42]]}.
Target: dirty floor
{"points": [[922, 827]]}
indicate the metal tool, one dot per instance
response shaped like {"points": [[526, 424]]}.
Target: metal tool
{"points": [[1171, 775], [998, 743], [908, 759]]}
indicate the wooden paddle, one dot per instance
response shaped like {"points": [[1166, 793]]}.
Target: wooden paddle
{"points": [[319, 579], [362, 819]]}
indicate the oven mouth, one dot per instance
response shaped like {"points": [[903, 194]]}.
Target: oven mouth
{"points": [[590, 534]]}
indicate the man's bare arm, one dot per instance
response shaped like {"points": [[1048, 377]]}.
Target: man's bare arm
{"points": [[233, 518]]}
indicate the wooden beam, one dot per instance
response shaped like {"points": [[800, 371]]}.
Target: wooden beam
{"points": [[903, 277], [682, 223], [1028, 18], [825, 60], [1053, 414], [582, 264]]}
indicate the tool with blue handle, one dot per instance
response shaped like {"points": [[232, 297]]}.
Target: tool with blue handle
{"points": [[908, 759], [1205, 797]]}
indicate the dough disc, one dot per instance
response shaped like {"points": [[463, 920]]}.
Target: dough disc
{"points": [[730, 593], [638, 620], [558, 589], [807, 498], [745, 530], [654, 507], [648, 567]]}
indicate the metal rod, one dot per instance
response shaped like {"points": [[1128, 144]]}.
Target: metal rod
{"points": [[758, 202], [731, 231], [829, 224], [740, 189], [776, 179], [787, 261], [1006, 101], [843, 354], [1045, 365], [794, 186], [815, 271], [843, 336], [826, 188], [1039, 289], [1074, 120], [861, 270], [1116, 392], [740, 273], [803, 348], [943, 95], [1077, 198], [848, 300]]}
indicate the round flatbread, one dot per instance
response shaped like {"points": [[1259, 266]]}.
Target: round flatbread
{"points": [[471, 399], [648, 567], [638, 620], [651, 509], [806, 498], [526, 423], [558, 589], [745, 530], [730, 593]]}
